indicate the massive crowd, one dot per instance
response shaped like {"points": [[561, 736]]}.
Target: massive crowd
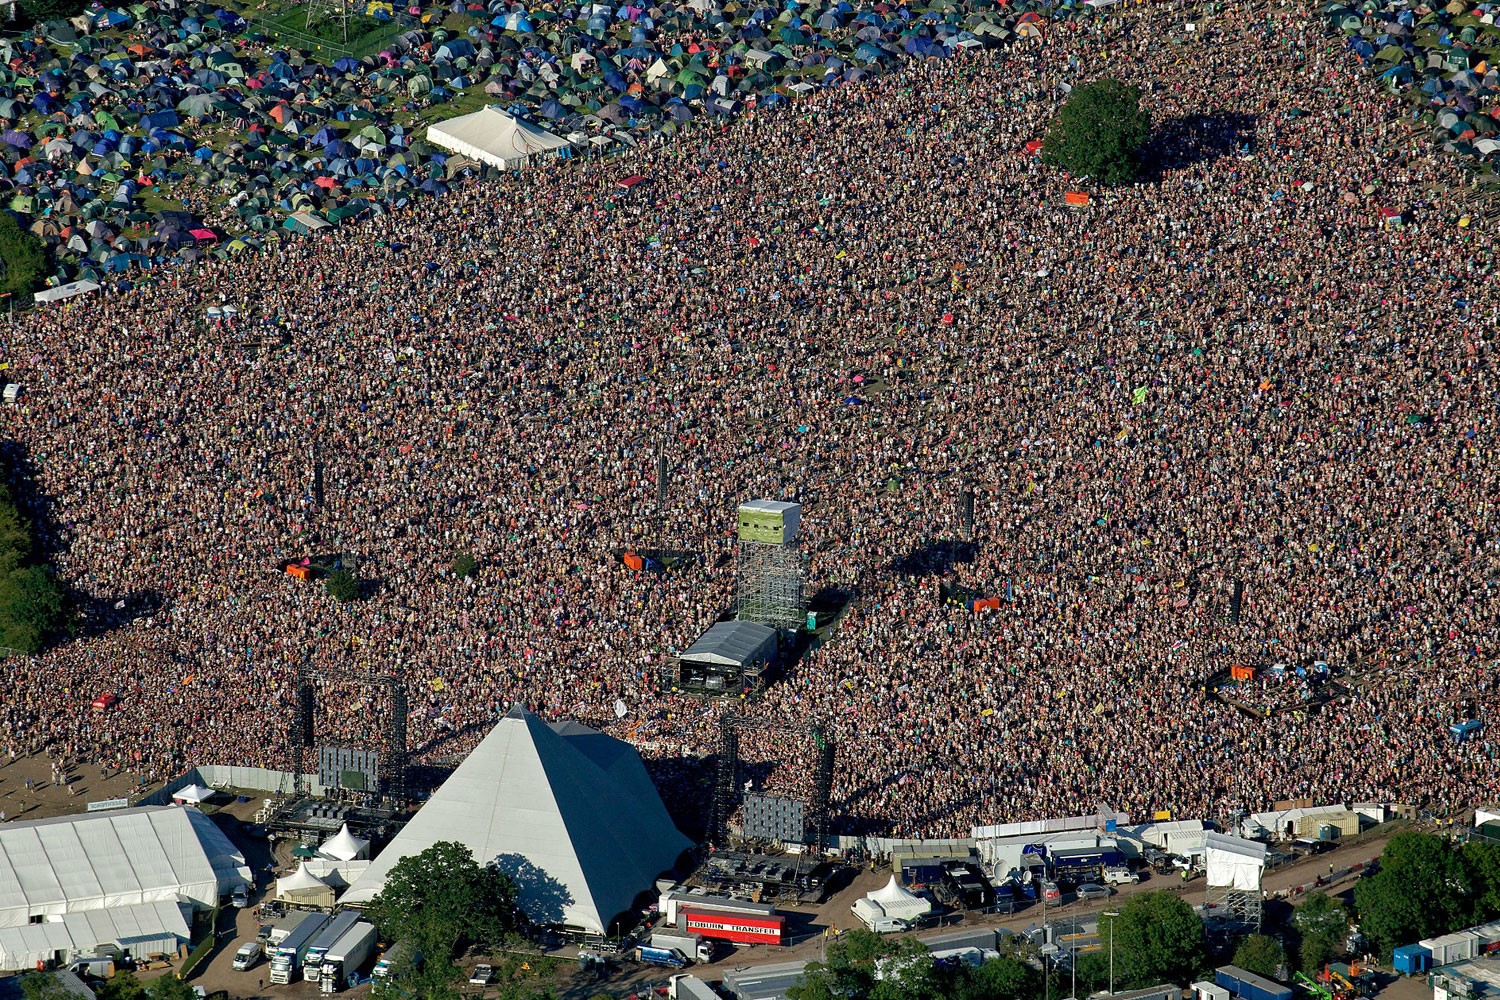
{"points": [[860, 301]]}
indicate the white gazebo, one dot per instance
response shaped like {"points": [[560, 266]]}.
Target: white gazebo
{"points": [[194, 794], [892, 901], [303, 887], [345, 846]]}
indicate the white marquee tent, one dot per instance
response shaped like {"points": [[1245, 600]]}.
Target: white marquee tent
{"points": [[126, 857], [493, 136], [568, 812], [193, 793], [142, 929], [302, 886], [344, 846], [894, 901]]}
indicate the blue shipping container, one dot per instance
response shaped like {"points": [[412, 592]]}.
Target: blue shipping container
{"points": [[1250, 986], [1412, 959]]}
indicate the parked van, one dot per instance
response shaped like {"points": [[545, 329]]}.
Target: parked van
{"points": [[247, 956]]}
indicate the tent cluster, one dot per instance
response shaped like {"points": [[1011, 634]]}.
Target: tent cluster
{"points": [[1446, 60], [101, 116]]}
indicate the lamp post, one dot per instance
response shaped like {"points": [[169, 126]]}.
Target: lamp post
{"points": [[1111, 914]]}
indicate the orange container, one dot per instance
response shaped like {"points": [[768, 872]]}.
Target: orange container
{"points": [[300, 572], [1240, 672], [633, 561]]}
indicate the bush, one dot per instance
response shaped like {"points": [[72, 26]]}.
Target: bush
{"points": [[342, 586], [1099, 133], [23, 256], [32, 604], [464, 565]]}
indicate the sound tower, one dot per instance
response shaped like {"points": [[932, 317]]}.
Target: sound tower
{"points": [[303, 729], [817, 820], [395, 753], [661, 482], [966, 512], [1236, 601]]}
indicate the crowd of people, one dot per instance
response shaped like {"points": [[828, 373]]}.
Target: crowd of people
{"points": [[862, 302]]}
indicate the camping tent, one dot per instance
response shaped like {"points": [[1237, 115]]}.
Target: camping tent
{"points": [[496, 137], [569, 813]]}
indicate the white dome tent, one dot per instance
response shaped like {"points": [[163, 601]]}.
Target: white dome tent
{"points": [[891, 902], [345, 846]]}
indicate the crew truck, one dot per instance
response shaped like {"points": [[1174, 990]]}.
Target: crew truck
{"points": [[312, 964], [286, 960], [344, 960]]}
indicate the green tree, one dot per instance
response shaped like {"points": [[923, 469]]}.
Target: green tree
{"points": [[31, 608], [1420, 891], [443, 901], [1158, 938], [24, 257], [121, 986], [1004, 978], [1260, 954], [1481, 863], [342, 586], [168, 987], [43, 986], [1099, 133], [464, 565]]}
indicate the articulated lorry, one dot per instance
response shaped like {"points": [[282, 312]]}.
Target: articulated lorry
{"points": [[286, 959], [312, 962], [390, 963], [344, 960]]}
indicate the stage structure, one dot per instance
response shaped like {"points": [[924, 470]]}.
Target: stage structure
{"points": [[769, 566], [771, 817], [1235, 869], [376, 766]]}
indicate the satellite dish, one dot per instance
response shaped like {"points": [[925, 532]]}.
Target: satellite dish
{"points": [[620, 709]]}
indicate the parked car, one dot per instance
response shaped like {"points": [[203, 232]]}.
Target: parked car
{"points": [[1120, 876], [1050, 892], [481, 975], [1091, 891], [240, 897]]}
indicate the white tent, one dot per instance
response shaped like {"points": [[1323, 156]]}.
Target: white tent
{"points": [[64, 292], [569, 813], [492, 136], [1234, 863], [894, 901], [125, 857], [344, 846], [305, 888], [194, 794], [141, 929]]}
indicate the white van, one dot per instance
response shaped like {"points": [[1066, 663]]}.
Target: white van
{"points": [[1120, 876], [247, 956]]}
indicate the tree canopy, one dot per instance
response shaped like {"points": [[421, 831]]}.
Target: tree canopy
{"points": [[1422, 890], [1157, 939], [32, 605], [861, 964], [22, 254], [443, 901], [1099, 133], [1260, 954]]}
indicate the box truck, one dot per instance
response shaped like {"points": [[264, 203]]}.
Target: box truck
{"points": [[312, 962], [694, 945], [687, 987], [344, 960], [286, 959]]}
